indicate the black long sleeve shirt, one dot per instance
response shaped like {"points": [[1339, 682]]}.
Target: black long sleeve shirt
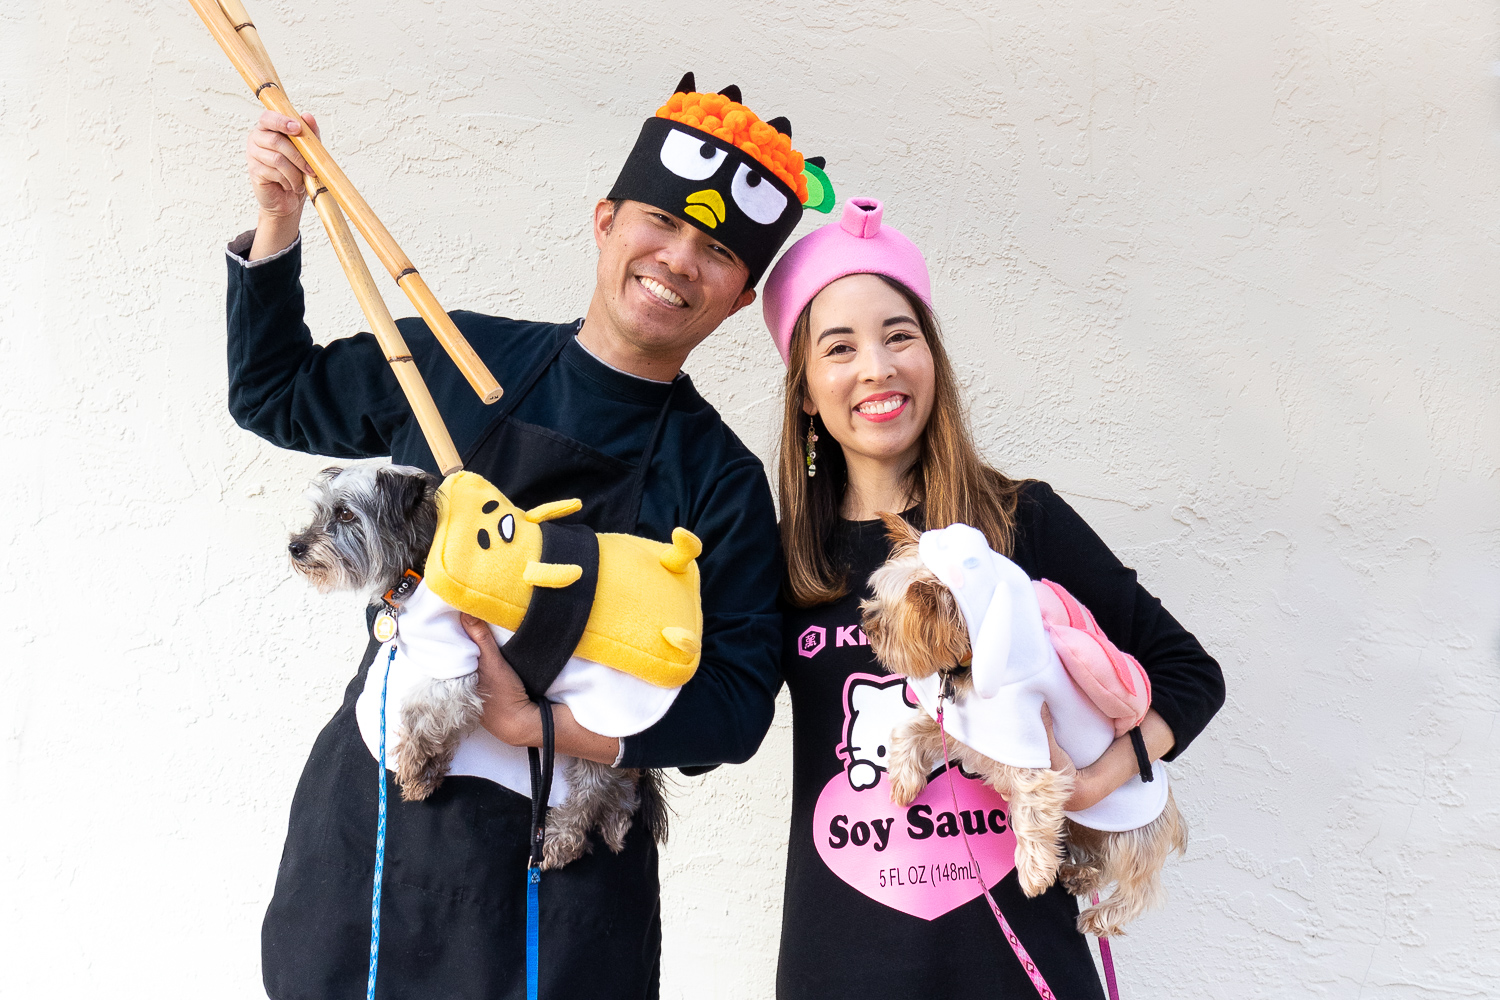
{"points": [[847, 932], [342, 400]]}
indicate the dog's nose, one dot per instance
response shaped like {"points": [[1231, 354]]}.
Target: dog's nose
{"points": [[297, 549]]}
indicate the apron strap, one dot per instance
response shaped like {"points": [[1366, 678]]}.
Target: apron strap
{"points": [[513, 397], [541, 790], [555, 618], [638, 486]]}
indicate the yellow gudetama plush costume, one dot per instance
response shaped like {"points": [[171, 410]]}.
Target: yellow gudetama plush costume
{"points": [[646, 618]]}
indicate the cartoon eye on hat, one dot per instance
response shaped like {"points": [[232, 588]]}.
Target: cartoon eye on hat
{"points": [[712, 162], [690, 157], [760, 201]]}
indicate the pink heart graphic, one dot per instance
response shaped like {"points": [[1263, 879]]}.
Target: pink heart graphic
{"points": [[913, 859]]}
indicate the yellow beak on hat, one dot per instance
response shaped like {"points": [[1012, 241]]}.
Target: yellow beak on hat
{"points": [[707, 206]]}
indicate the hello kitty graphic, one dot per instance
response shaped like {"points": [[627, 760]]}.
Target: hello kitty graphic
{"points": [[872, 710], [923, 858]]}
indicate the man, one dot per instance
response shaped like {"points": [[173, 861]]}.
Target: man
{"points": [[598, 409]]}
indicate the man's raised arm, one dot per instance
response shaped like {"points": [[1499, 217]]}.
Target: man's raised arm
{"points": [[340, 400]]}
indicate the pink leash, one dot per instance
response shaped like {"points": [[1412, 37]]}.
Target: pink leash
{"points": [[1107, 959], [1035, 974]]}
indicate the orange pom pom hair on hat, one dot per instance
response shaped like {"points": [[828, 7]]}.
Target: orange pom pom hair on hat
{"points": [[712, 162]]}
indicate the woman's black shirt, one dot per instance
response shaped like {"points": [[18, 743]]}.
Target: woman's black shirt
{"points": [[880, 901]]}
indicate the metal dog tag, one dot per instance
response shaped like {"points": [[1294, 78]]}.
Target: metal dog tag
{"points": [[385, 626]]}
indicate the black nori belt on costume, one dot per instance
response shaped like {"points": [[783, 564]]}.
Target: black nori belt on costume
{"points": [[554, 621]]}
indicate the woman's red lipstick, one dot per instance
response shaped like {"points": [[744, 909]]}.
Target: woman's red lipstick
{"points": [[880, 397]]}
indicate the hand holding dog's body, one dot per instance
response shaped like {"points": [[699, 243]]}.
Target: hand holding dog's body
{"points": [[1116, 766], [513, 718], [605, 798]]}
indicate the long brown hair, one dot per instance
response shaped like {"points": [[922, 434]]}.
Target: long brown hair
{"points": [[949, 479]]}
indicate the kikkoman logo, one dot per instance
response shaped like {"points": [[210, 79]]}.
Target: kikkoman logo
{"points": [[811, 642]]}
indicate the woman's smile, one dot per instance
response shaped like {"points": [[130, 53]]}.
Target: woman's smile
{"points": [[883, 406]]}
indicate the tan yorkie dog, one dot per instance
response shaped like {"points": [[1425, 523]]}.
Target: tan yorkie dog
{"points": [[917, 629]]}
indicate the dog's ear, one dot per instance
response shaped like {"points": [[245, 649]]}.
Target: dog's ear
{"points": [[940, 622], [331, 473], [926, 598], [899, 532], [406, 490], [416, 490]]}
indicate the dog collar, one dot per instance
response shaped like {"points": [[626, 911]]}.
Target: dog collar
{"points": [[403, 588], [384, 627]]}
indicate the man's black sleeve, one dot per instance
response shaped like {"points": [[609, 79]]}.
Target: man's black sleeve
{"points": [[724, 712], [1187, 686], [340, 400]]}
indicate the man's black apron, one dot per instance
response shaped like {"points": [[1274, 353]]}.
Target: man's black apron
{"points": [[454, 903]]}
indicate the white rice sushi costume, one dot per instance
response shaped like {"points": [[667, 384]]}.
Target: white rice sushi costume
{"points": [[1016, 670], [433, 644]]}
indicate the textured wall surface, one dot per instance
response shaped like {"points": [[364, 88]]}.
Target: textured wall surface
{"points": [[1225, 274]]}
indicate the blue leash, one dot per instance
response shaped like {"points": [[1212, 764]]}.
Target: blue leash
{"points": [[379, 840], [533, 931], [541, 790], [541, 787]]}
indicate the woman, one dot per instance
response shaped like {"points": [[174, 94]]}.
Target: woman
{"points": [[881, 901]]}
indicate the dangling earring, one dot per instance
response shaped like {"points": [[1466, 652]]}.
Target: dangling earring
{"points": [[812, 447]]}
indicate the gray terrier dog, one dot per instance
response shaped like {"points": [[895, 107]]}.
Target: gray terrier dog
{"points": [[370, 525]]}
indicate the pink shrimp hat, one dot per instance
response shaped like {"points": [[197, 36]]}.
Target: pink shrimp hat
{"points": [[856, 244]]}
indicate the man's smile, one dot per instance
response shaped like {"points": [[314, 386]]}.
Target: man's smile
{"points": [[661, 292]]}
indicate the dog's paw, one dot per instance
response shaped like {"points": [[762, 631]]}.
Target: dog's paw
{"points": [[1080, 880], [613, 830], [1099, 921], [616, 821], [418, 790], [1036, 867], [906, 785], [418, 778], [563, 847], [1034, 878]]}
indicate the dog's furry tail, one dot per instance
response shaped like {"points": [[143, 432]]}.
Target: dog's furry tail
{"points": [[655, 811]]}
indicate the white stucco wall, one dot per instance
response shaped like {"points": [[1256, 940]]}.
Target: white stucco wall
{"points": [[1225, 274]]}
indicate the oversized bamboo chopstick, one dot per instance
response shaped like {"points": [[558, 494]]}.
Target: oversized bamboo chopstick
{"points": [[239, 20], [379, 317], [384, 328], [261, 81]]}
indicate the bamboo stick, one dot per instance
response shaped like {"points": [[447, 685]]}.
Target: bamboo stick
{"points": [[397, 354], [381, 241], [239, 19], [384, 328]]}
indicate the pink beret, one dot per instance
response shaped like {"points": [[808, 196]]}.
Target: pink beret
{"points": [[856, 244]]}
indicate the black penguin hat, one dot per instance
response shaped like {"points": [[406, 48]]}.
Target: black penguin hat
{"points": [[700, 160]]}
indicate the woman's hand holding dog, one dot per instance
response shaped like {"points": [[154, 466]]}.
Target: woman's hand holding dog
{"points": [[512, 717], [1115, 767]]}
